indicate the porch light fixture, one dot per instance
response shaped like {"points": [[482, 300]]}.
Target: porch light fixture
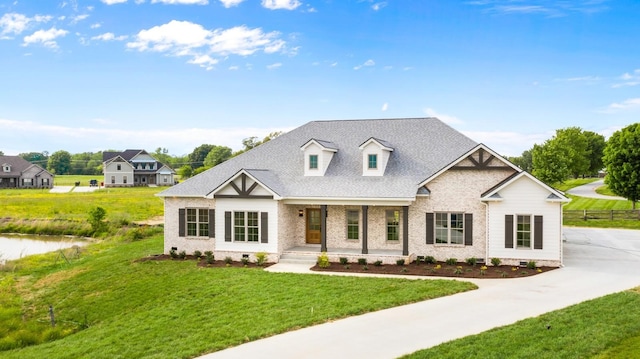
{"points": [[300, 213]]}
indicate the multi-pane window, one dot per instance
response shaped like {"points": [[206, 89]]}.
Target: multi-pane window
{"points": [[353, 224], [119, 167], [449, 228], [393, 225], [523, 232], [113, 179], [246, 227], [124, 179], [197, 222], [313, 162], [373, 161]]}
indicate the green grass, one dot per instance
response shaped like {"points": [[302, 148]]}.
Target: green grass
{"points": [[571, 183], [160, 309], [606, 327], [595, 203], [70, 180]]}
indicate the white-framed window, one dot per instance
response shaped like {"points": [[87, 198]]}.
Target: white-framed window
{"points": [[393, 225], [246, 227], [165, 179], [353, 224], [119, 167], [372, 161], [6, 168], [523, 231], [124, 179], [197, 222], [313, 162], [449, 228], [113, 179]]}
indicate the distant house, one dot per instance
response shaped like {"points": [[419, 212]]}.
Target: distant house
{"points": [[135, 168], [377, 189], [19, 173]]}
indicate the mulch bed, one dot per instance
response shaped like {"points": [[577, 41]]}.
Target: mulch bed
{"points": [[439, 269], [201, 262]]}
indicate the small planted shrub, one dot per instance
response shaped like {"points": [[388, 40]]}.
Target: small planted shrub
{"points": [[365, 267], [400, 262], [471, 261], [377, 263], [483, 270], [261, 258], [429, 260], [346, 266], [197, 254], [495, 262], [531, 265], [404, 270], [173, 254], [245, 261], [228, 260], [458, 270], [182, 254], [209, 258], [344, 260], [323, 260], [451, 261], [362, 261]]}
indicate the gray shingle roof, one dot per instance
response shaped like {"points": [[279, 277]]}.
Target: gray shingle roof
{"points": [[17, 164], [422, 146]]}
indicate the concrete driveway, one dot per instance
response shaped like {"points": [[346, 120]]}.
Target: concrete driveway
{"points": [[597, 262], [589, 190]]}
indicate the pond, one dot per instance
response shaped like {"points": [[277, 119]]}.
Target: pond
{"points": [[18, 246]]}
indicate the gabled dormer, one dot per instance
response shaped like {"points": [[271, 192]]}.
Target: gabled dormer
{"points": [[317, 156], [6, 168], [375, 156]]}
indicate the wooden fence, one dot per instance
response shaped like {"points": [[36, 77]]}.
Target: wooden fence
{"points": [[610, 215]]}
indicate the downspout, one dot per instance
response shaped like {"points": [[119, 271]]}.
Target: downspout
{"points": [[486, 226]]}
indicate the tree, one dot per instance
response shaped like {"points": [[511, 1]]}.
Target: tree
{"points": [[525, 161], [39, 158], [622, 158], [96, 217], [1, 153], [185, 171], [573, 143], [59, 162], [596, 144], [196, 158], [550, 162], [217, 155]]}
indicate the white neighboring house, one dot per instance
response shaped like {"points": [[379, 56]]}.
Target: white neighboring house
{"points": [[380, 189], [135, 168]]}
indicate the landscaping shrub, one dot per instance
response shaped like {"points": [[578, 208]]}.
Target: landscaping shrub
{"points": [[323, 260], [344, 260], [451, 261], [362, 261], [429, 260], [531, 265], [377, 263], [495, 261], [261, 258], [400, 262], [471, 261]]}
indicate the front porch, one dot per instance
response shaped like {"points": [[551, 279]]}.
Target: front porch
{"points": [[310, 253]]}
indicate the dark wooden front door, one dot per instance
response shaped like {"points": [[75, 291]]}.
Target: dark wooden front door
{"points": [[313, 225]]}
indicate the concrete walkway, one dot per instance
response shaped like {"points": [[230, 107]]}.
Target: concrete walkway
{"points": [[396, 331], [589, 190], [67, 189]]}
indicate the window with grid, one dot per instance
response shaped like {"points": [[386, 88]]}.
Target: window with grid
{"points": [[523, 232], [246, 227], [373, 161], [449, 228], [313, 162], [197, 222], [393, 225], [353, 225]]}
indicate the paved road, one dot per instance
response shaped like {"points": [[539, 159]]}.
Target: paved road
{"points": [[589, 190], [396, 331]]}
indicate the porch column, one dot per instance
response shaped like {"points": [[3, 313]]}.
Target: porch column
{"points": [[365, 229], [323, 228], [405, 230]]}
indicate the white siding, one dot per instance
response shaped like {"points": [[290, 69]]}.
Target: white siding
{"points": [[373, 148], [525, 197], [111, 169]]}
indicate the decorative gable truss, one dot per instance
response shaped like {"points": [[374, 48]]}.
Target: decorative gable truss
{"points": [[482, 159], [243, 185]]}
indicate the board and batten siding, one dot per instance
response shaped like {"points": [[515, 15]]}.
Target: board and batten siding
{"points": [[525, 197], [268, 206]]}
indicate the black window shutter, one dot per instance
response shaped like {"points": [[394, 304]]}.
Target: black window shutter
{"points": [[264, 227], [212, 223], [227, 226], [508, 231], [430, 229], [468, 229], [537, 232], [181, 224]]}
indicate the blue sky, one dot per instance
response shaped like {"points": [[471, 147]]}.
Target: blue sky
{"points": [[115, 74]]}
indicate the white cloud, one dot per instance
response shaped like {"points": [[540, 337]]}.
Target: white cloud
{"points": [[184, 38], [109, 36], [45, 37], [385, 106], [625, 105], [281, 4], [541, 7], [233, 68], [450, 120], [378, 6], [366, 63], [112, 2], [204, 61], [230, 3], [181, 2], [78, 18], [274, 66], [15, 24], [95, 26], [629, 79]]}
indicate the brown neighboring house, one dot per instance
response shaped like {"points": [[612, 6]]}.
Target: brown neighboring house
{"points": [[16, 172]]}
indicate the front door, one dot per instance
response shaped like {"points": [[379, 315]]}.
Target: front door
{"points": [[313, 225]]}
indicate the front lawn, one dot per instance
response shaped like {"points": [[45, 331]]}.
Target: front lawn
{"points": [[122, 308]]}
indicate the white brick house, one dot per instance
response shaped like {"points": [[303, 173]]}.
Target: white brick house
{"points": [[381, 189]]}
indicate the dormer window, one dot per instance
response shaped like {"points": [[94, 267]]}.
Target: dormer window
{"points": [[313, 162], [6, 168], [375, 156], [317, 156], [373, 161]]}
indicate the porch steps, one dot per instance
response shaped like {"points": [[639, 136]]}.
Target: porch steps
{"points": [[298, 258]]}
